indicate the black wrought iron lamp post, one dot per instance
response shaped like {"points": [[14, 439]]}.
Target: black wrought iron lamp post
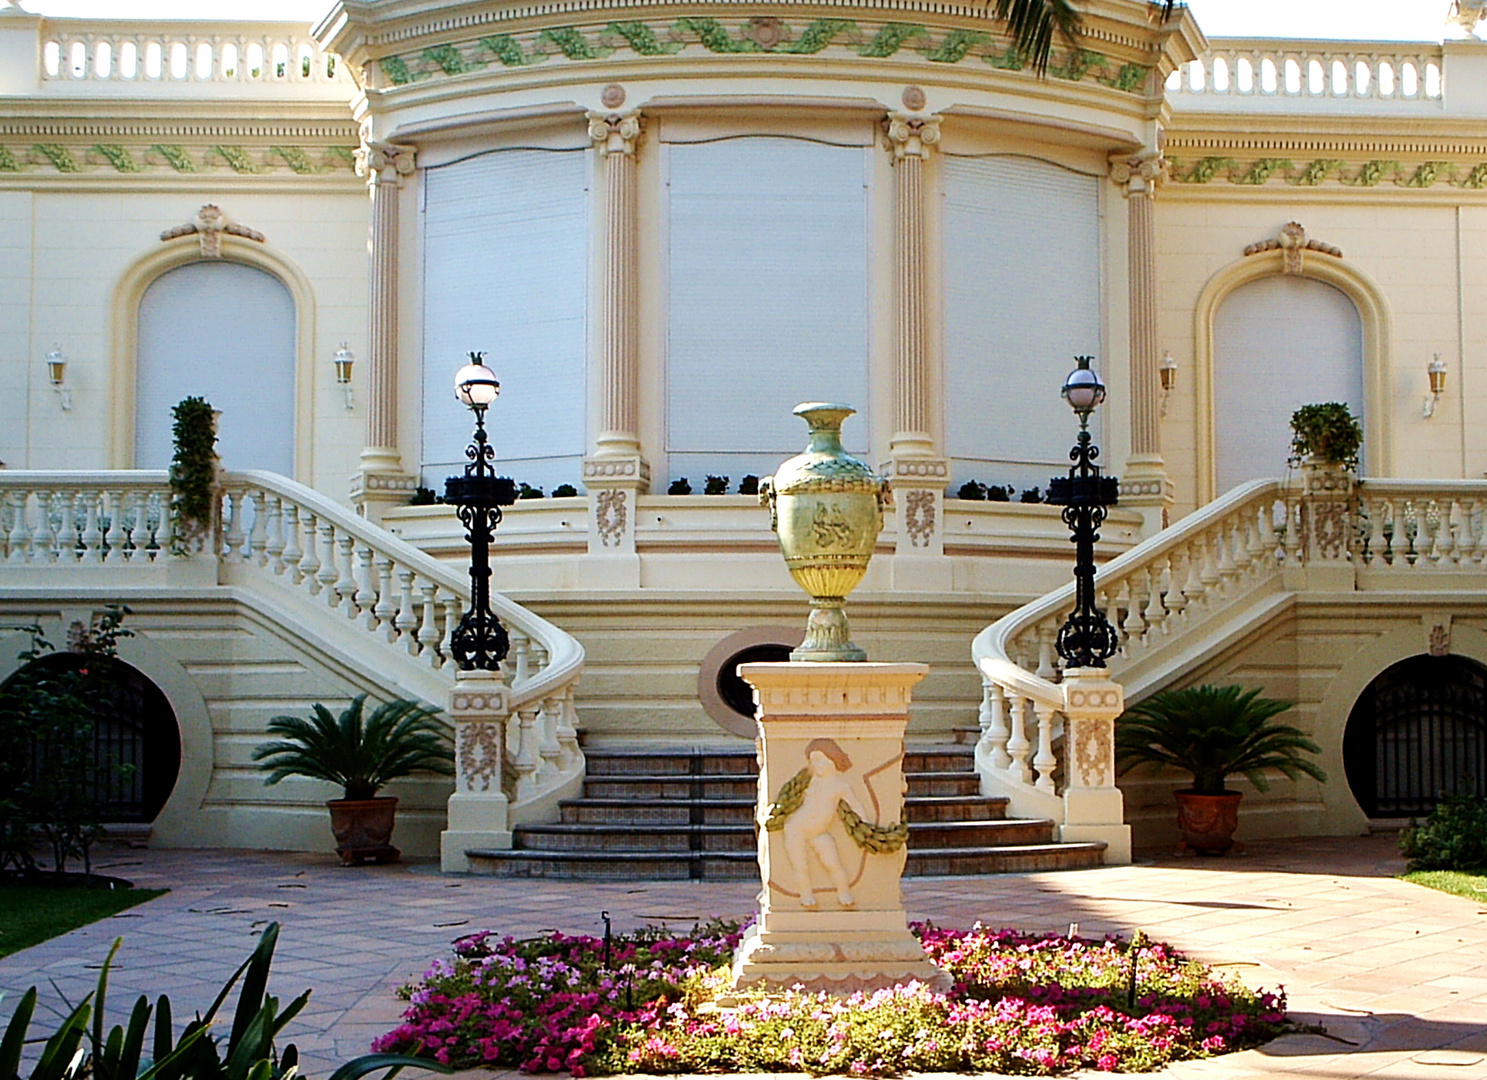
{"points": [[1086, 640], [480, 640]]}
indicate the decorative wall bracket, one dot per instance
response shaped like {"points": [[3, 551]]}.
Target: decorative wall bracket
{"points": [[1294, 243], [210, 226]]}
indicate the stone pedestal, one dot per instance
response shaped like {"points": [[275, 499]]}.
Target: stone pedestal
{"points": [[1094, 808], [484, 780], [831, 913]]}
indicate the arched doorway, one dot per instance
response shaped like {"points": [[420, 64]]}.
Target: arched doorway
{"points": [[1418, 731], [224, 331], [137, 741], [1279, 342]]}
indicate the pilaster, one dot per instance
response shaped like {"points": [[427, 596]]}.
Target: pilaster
{"points": [[1144, 485], [381, 481], [484, 779], [916, 473]]}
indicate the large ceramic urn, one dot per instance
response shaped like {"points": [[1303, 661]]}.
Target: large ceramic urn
{"points": [[827, 508]]}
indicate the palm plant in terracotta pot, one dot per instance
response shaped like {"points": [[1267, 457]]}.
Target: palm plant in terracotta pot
{"points": [[362, 755], [1213, 733]]}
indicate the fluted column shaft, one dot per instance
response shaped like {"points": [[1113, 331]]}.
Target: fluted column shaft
{"points": [[1146, 430], [615, 137], [912, 137], [386, 166]]}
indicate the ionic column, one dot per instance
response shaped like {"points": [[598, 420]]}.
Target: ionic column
{"points": [[1145, 485], [918, 475], [616, 473], [381, 480]]}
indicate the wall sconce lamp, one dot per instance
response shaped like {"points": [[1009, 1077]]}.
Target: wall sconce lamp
{"points": [[1167, 372], [56, 373], [1436, 369], [344, 358]]}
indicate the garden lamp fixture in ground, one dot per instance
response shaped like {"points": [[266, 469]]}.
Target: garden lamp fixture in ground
{"points": [[480, 641], [1086, 640]]}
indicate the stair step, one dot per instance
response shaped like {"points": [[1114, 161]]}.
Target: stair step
{"points": [[671, 762], [653, 786], [644, 866], [640, 812], [634, 839], [944, 783]]}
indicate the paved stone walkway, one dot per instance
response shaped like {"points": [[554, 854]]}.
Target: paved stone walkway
{"points": [[1396, 973]]}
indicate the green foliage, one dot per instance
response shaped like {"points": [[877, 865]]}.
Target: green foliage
{"points": [[680, 487], [564, 491], [642, 39], [49, 768], [890, 38], [972, 491], [1031, 495], [527, 491], [193, 475], [398, 739], [1327, 432], [423, 496], [1455, 882], [749, 485], [447, 57], [715, 485], [1453, 837], [78, 1049], [1214, 732], [817, 36], [31, 914]]}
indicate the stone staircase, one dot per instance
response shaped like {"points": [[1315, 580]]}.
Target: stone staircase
{"points": [[677, 814]]}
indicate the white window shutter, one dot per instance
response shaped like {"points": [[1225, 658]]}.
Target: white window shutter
{"points": [[505, 272]]}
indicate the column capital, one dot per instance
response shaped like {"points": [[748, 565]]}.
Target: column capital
{"points": [[385, 163], [911, 136], [616, 133], [1139, 174]]}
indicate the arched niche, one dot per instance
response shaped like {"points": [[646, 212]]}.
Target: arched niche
{"points": [[124, 368], [1378, 337]]}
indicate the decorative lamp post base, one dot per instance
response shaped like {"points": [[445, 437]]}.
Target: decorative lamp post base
{"points": [[831, 839], [827, 637]]}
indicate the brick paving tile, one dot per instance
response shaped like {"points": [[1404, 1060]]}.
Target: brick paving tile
{"points": [[1393, 971]]}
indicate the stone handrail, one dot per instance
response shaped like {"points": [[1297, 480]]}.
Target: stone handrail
{"points": [[161, 52], [276, 534], [1270, 68], [1420, 526]]}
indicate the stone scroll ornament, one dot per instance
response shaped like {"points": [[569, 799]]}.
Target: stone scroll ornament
{"points": [[827, 509], [804, 810]]}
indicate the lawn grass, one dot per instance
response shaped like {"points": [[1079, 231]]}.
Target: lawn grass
{"points": [[1471, 886], [31, 914]]}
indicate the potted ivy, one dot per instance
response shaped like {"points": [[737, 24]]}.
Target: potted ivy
{"points": [[1212, 733], [1326, 436], [397, 739]]}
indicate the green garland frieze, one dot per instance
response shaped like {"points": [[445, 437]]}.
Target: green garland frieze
{"points": [[1261, 171], [112, 157], [762, 34]]}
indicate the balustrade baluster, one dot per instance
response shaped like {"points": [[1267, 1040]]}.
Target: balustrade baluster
{"points": [[256, 503], [1239, 546], [235, 536], [567, 729], [428, 631], [139, 536], [1047, 635], [407, 618], [1044, 761], [345, 585], [1452, 524], [525, 759], [1377, 542], [1213, 581], [164, 527], [386, 610], [273, 547], [1193, 588], [550, 749], [43, 539], [114, 538], [92, 534], [1227, 567], [1018, 746], [293, 553], [454, 609], [1177, 575], [328, 574], [1260, 556], [519, 650], [996, 731], [67, 535], [365, 599], [1468, 545], [1156, 612], [1293, 532], [1133, 626], [309, 562], [1431, 525]]}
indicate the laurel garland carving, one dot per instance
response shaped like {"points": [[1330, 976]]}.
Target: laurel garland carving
{"points": [[1260, 171], [167, 158]]}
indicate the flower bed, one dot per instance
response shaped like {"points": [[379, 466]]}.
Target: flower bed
{"points": [[1025, 1004]]}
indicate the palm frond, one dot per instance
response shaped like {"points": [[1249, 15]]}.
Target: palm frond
{"points": [[1033, 23]]}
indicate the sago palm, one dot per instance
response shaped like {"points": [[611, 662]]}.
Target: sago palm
{"points": [[1214, 732], [398, 739], [1032, 23]]}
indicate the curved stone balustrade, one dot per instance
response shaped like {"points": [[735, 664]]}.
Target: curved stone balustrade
{"points": [[1264, 69], [277, 535]]}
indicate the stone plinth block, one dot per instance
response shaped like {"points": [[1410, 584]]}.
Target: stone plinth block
{"points": [[831, 833], [483, 781]]}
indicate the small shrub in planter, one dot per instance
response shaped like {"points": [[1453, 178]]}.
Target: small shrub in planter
{"points": [[680, 487], [1031, 495], [400, 738], [1453, 837], [715, 485], [1327, 433], [999, 494], [564, 491], [527, 491], [749, 485], [972, 491], [423, 496]]}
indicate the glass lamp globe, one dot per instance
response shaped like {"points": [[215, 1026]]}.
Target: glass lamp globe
{"points": [[1083, 389], [476, 386]]}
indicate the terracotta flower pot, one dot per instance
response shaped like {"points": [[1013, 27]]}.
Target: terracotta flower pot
{"points": [[1207, 822], [363, 829]]}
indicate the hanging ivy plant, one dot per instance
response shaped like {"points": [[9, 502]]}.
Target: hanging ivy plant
{"points": [[1327, 432], [193, 475]]}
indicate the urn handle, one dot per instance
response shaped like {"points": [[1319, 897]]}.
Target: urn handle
{"points": [[767, 498]]}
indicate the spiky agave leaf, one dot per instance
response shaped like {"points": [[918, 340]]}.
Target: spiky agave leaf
{"points": [[1214, 732]]}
